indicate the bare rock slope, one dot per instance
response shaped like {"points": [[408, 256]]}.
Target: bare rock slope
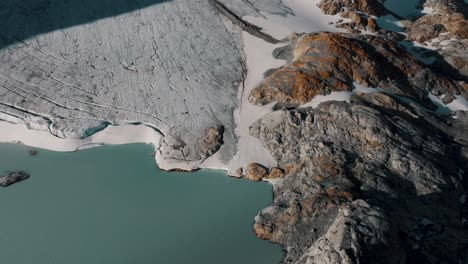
{"points": [[380, 177], [371, 181]]}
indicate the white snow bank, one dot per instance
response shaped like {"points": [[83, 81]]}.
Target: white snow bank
{"points": [[308, 17], [427, 10], [358, 88], [115, 135], [333, 96], [259, 59], [458, 104], [390, 23], [340, 96]]}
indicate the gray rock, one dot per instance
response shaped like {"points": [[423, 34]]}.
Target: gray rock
{"points": [[13, 177], [360, 177]]}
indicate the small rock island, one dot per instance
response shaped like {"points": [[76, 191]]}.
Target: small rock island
{"points": [[13, 177]]}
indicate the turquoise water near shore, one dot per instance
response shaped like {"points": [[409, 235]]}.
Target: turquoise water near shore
{"points": [[113, 205]]}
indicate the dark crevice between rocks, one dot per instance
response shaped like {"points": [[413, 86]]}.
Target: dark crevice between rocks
{"points": [[244, 25]]}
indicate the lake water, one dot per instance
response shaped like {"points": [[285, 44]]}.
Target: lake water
{"points": [[113, 205]]}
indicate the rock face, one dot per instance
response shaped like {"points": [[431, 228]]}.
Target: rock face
{"points": [[13, 177], [455, 57], [373, 181], [327, 62], [211, 141], [381, 178], [431, 26], [446, 29]]}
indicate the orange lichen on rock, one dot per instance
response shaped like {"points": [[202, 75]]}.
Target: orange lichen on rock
{"points": [[275, 173], [333, 62], [255, 172]]}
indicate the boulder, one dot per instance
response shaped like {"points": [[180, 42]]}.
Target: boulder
{"points": [[13, 177], [255, 172]]}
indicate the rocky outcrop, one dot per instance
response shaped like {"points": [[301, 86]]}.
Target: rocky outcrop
{"points": [[211, 141], [371, 7], [431, 26], [275, 173], [381, 178], [453, 57], [376, 180], [359, 21], [446, 29], [255, 172], [447, 6], [13, 177], [327, 62]]}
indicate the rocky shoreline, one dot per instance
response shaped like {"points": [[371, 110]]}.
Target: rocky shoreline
{"points": [[379, 178]]}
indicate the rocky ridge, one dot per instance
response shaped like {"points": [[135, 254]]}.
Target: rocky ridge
{"points": [[373, 170], [330, 62], [379, 178]]}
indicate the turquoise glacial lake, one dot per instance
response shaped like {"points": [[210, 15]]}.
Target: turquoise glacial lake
{"points": [[112, 205]]}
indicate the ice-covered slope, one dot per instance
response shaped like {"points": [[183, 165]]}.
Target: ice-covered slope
{"points": [[175, 66]]}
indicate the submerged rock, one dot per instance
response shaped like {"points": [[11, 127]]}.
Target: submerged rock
{"points": [[13, 177]]}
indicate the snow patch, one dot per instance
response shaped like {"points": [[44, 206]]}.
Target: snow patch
{"points": [[427, 10], [114, 135], [340, 96], [458, 104], [259, 59], [333, 96], [390, 23], [358, 88], [308, 17]]}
